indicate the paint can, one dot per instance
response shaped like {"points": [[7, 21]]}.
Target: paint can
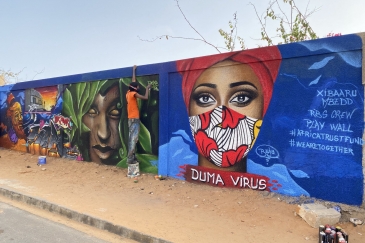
{"points": [[42, 160]]}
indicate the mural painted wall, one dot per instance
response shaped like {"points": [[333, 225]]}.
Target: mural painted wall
{"points": [[99, 131], [12, 135], [81, 121], [286, 119], [41, 121]]}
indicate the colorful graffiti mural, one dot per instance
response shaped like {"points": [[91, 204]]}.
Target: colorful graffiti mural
{"points": [[30, 121], [12, 134], [268, 119], [83, 121], [287, 119], [97, 111], [42, 106]]}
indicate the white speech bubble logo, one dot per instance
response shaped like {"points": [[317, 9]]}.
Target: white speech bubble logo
{"points": [[266, 151]]}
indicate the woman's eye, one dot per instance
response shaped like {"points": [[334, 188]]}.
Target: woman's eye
{"points": [[241, 100], [114, 113], [205, 99], [92, 112]]}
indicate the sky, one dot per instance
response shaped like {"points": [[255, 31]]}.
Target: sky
{"points": [[52, 38]]}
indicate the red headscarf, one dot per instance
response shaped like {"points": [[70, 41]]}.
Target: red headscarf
{"points": [[265, 62]]}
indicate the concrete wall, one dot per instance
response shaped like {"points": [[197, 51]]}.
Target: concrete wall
{"points": [[287, 119]]}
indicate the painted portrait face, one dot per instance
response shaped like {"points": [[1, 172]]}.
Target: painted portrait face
{"points": [[226, 106], [16, 117], [230, 84], [227, 96], [103, 121]]}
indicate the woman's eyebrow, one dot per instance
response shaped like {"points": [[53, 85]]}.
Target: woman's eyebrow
{"points": [[213, 86], [232, 85]]}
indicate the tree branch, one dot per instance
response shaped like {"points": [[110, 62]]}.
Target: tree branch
{"points": [[202, 39], [283, 13], [37, 73], [10, 75], [178, 37], [264, 34]]}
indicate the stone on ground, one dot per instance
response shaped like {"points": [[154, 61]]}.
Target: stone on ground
{"points": [[317, 214]]}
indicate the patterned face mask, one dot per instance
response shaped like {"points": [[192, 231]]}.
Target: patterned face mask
{"points": [[224, 136]]}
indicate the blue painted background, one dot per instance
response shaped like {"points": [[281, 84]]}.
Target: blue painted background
{"points": [[329, 64], [307, 69]]}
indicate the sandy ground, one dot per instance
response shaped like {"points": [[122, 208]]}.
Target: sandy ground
{"points": [[170, 209]]}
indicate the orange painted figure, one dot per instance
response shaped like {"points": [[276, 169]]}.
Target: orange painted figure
{"points": [[15, 137]]}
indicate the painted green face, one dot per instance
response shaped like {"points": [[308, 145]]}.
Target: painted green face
{"points": [[103, 120]]}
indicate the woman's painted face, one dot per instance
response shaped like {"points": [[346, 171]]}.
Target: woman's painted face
{"points": [[226, 107], [229, 84], [103, 120]]}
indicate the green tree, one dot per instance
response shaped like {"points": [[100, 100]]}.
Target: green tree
{"points": [[230, 37], [292, 25]]}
